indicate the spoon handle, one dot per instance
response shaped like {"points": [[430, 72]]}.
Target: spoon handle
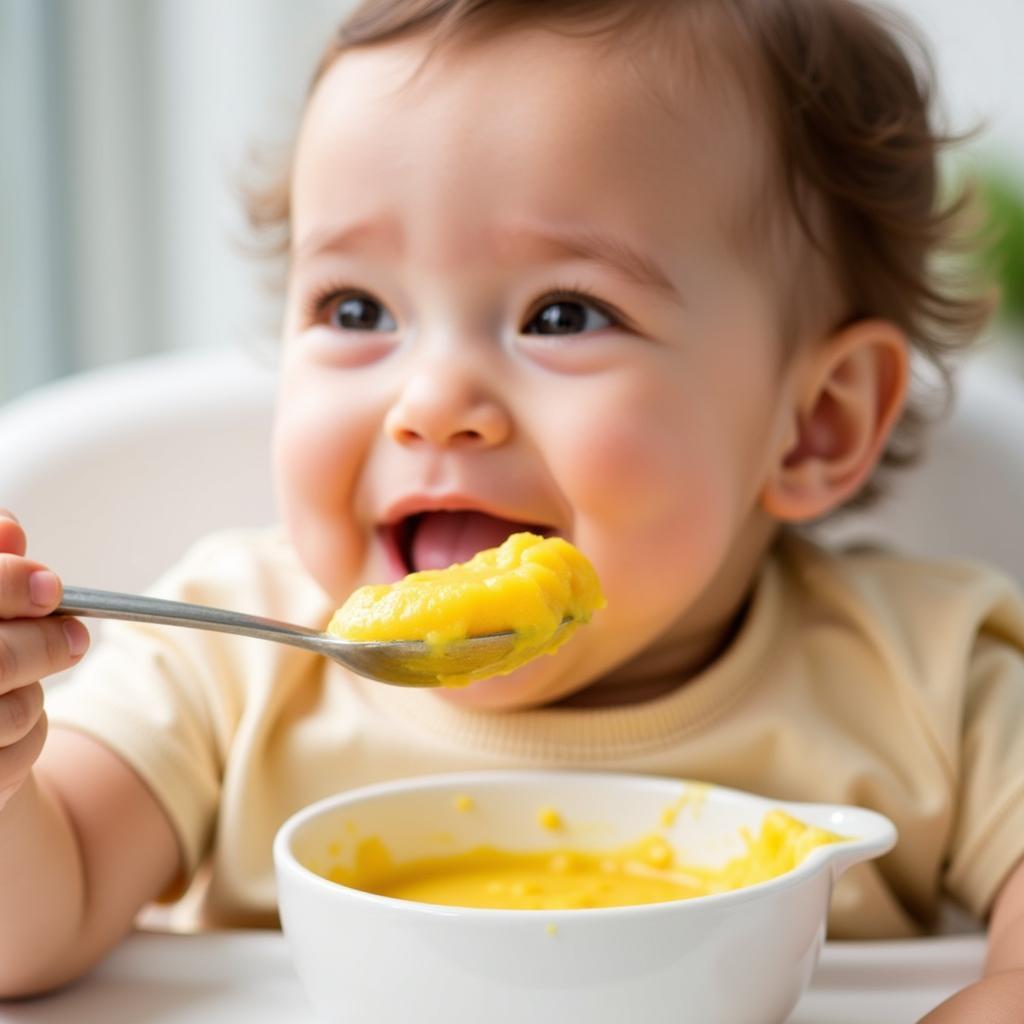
{"points": [[106, 604]]}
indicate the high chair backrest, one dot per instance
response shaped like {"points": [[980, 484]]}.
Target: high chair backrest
{"points": [[966, 497], [114, 471]]}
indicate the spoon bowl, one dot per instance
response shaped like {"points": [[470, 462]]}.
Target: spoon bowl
{"points": [[400, 662]]}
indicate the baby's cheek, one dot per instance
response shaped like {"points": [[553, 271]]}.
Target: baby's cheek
{"points": [[655, 513], [312, 452], [316, 460], [635, 473]]}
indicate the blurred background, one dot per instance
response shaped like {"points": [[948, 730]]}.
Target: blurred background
{"points": [[129, 124]]}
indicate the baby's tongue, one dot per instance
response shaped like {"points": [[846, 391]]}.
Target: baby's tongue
{"points": [[443, 538]]}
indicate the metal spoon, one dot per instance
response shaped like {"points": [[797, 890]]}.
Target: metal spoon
{"points": [[403, 662]]}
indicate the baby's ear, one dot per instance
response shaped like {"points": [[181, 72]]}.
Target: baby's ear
{"points": [[849, 393]]}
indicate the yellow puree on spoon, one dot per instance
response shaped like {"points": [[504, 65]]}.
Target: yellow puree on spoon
{"points": [[529, 585], [646, 871]]}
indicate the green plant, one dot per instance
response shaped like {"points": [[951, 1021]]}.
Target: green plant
{"points": [[1003, 194]]}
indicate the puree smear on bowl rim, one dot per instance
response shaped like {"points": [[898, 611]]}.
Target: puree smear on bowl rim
{"points": [[539, 588], [647, 870]]}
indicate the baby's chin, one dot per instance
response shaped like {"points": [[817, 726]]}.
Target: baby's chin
{"points": [[540, 682]]}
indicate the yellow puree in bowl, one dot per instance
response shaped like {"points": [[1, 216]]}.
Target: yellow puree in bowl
{"points": [[646, 871], [527, 586]]}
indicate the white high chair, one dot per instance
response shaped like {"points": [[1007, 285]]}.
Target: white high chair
{"points": [[114, 472], [965, 499]]}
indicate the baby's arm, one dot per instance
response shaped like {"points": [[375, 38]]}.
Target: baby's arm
{"points": [[83, 843], [999, 997]]}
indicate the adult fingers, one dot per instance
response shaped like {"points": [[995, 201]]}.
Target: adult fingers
{"points": [[12, 535], [31, 650], [17, 759], [27, 589], [19, 711]]}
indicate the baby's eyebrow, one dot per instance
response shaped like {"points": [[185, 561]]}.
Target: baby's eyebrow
{"points": [[511, 242], [383, 235], [589, 244]]}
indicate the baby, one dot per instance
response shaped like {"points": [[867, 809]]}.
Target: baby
{"points": [[648, 276]]}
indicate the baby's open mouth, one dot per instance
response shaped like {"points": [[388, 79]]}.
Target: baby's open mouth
{"points": [[437, 539]]}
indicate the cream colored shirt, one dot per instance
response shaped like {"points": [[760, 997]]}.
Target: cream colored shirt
{"points": [[860, 678]]}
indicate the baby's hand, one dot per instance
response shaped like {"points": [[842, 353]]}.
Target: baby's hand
{"points": [[32, 646]]}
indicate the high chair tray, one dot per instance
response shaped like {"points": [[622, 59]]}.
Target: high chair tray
{"points": [[227, 977]]}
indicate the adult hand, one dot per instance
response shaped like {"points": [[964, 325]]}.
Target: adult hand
{"points": [[33, 645]]}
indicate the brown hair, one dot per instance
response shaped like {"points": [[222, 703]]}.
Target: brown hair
{"points": [[847, 91]]}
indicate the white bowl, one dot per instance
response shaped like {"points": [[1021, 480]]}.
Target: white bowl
{"points": [[743, 956]]}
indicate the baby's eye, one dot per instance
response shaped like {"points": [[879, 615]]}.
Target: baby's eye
{"points": [[568, 316], [359, 313]]}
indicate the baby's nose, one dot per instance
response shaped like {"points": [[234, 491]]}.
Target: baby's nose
{"points": [[447, 408]]}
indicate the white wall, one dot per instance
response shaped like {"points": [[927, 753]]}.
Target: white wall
{"points": [[126, 124], [233, 74], [979, 50]]}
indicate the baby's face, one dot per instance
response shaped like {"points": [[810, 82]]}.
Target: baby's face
{"points": [[515, 302]]}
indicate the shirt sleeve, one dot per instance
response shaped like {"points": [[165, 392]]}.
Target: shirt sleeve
{"points": [[988, 835]]}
